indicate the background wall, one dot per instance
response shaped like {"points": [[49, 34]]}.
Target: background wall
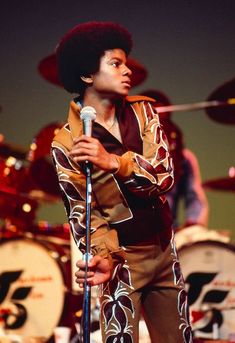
{"points": [[188, 48]]}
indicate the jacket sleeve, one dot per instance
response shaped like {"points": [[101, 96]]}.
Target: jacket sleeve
{"points": [[149, 174], [72, 182]]}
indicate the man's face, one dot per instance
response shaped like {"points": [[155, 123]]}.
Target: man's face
{"points": [[113, 77]]}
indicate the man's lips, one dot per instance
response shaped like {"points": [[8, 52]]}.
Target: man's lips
{"points": [[127, 83]]}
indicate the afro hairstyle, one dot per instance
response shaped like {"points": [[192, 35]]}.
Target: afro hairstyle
{"points": [[79, 51]]}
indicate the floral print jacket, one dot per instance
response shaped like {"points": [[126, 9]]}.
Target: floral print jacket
{"points": [[128, 205]]}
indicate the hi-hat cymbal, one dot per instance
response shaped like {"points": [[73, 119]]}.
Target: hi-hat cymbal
{"points": [[222, 184], [225, 94], [48, 70]]}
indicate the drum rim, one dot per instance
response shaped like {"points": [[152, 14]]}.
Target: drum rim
{"points": [[227, 245], [48, 247]]}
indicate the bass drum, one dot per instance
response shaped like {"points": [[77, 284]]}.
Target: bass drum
{"points": [[35, 286], [209, 273]]}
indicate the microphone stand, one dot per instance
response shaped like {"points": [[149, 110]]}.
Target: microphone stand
{"points": [[87, 256], [87, 115]]}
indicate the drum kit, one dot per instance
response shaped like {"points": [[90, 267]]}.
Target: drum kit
{"points": [[35, 258]]}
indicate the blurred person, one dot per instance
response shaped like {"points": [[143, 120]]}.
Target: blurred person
{"points": [[187, 186], [134, 256]]}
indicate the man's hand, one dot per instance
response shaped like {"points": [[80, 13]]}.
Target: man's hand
{"points": [[99, 271], [90, 149]]}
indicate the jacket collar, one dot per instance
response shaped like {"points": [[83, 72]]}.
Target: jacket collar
{"points": [[74, 120]]}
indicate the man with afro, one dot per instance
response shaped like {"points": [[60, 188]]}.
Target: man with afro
{"points": [[134, 257]]}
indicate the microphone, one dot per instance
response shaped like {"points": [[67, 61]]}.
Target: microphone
{"points": [[87, 115]]}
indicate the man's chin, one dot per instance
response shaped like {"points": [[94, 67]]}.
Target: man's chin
{"points": [[116, 95], [119, 96], [124, 93]]}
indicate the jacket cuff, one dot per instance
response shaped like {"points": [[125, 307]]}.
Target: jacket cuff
{"points": [[114, 257], [126, 166]]}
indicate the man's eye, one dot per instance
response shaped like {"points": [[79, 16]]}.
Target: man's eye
{"points": [[115, 64]]}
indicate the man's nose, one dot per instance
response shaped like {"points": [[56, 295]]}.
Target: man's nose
{"points": [[127, 71]]}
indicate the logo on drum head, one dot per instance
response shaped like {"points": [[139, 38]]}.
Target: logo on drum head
{"points": [[13, 319], [210, 300]]}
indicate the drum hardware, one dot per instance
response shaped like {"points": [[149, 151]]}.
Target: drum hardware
{"points": [[50, 239], [224, 93], [34, 194], [197, 106], [43, 231], [13, 175], [41, 169], [219, 106], [198, 233], [9, 150], [226, 184], [17, 211], [19, 197], [48, 70]]}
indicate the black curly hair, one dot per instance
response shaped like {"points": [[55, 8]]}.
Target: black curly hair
{"points": [[79, 51]]}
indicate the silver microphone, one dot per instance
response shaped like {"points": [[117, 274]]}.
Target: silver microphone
{"points": [[87, 115]]}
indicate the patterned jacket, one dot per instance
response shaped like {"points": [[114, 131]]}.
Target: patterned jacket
{"points": [[128, 205]]}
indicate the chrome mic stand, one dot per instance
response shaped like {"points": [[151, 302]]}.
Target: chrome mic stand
{"points": [[87, 256], [87, 115]]}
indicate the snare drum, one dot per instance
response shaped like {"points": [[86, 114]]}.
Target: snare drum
{"points": [[35, 282], [209, 273]]}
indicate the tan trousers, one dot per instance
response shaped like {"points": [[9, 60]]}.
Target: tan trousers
{"points": [[149, 283]]}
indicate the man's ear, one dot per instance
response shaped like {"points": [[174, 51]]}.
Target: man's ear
{"points": [[87, 79]]}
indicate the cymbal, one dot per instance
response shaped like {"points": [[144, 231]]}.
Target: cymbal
{"points": [[17, 184], [7, 150], [17, 208], [41, 144], [43, 175], [139, 72], [35, 195], [41, 169], [225, 94], [222, 184], [48, 70]]}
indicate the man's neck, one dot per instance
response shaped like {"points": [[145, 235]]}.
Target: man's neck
{"points": [[104, 106]]}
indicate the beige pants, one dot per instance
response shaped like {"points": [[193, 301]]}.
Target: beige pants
{"points": [[149, 283]]}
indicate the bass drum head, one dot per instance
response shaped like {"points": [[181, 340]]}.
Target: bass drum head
{"points": [[32, 288], [209, 273]]}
